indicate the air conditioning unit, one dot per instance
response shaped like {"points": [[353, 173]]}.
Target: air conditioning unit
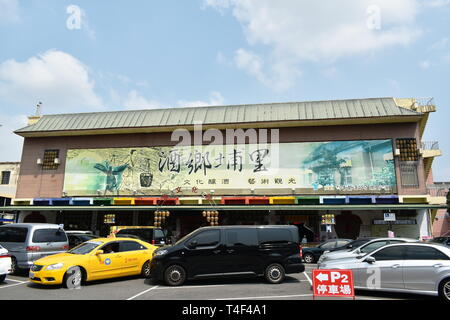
{"points": [[397, 152], [56, 161]]}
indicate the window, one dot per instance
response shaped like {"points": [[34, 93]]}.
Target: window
{"points": [[409, 177], [5, 177], [207, 238], [274, 235], [391, 253], [9, 234], [373, 246], [49, 235], [112, 247], [130, 246], [341, 243], [242, 237], [328, 245], [159, 235], [424, 253], [49, 160]]}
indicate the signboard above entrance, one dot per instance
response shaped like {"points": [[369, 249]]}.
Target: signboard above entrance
{"points": [[351, 167]]}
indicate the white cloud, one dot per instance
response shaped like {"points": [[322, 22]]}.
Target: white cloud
{"points": [[10, 143], [56, 78], [425, 64], [9, 11], [215, 99], [136, 101], [302, 30], [436, 3]]}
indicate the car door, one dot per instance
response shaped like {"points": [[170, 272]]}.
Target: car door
{"points": [[134, 255], [387, 270], [109, 264], [423, 266], [242, 251], [204, 254]]}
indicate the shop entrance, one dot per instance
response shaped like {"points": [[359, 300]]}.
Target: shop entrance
{"points": [[105, 220], [347, 225]]}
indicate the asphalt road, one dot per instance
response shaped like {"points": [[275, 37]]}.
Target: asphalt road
{"points": [[295, 287]]}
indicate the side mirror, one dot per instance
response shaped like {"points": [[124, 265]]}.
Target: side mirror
{"points": [[349, 246], [370, 260], [193, 244], [99, 252]]}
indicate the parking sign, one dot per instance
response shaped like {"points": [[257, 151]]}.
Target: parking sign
{"points": [[333, 283]]}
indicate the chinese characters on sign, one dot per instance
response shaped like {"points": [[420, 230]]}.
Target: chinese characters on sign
{"points": [[308, 167], [333, 283]]}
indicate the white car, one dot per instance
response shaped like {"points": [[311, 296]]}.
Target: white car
{"points": [[362, 250], [5, 263], [420, 268]]}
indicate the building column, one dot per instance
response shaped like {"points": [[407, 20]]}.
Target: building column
{"points": [[423, 223], [94, 222], [135, 218]]}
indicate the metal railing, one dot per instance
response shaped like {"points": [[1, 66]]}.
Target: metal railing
{"points": [[429, 145], [436, 191]]}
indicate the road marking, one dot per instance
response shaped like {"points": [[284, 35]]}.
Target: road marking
{"points": [[143, 292], [12, 285], [7, 279], [307, 277], [266, 297], [194, 287]]}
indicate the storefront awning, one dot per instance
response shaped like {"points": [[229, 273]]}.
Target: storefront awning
{"points": [[321, 207]]}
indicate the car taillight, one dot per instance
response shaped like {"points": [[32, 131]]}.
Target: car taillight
{"points": [[5, 256], [65, 247], [33, 248], [153, 242], [301, 251]]}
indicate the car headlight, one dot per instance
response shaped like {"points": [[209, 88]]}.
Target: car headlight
{"points": [[55, 266], [160, 253]]}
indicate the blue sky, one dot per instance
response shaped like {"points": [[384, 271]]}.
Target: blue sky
{"points": [[152, 54]]}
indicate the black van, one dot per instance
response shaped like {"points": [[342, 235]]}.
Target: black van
{"points": [[269, 251]]}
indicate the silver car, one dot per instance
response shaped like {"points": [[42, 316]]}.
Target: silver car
{"points": [[421, 268], [27, 242], [363, 249]]}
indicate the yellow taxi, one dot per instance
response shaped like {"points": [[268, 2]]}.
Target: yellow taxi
{"points": [[95, 259]]}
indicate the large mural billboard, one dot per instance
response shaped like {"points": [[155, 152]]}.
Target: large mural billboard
{"points": [[352, 167]]}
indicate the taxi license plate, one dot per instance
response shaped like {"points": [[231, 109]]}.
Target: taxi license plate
{"points": [[31, 275]]}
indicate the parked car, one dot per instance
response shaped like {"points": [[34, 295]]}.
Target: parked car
{"points": [[28, 242], [210, 252], [422, 268], [353, 244], [152, 235], [76, 239], [96, 259], [312, 254], [5, 264], [363, 249], [441, 240]]}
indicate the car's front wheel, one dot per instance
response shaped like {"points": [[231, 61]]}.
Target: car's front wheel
{"points": [[73, 278], [146, 269], [444, 289], [275, 273], [175, 275], [308, 257]]}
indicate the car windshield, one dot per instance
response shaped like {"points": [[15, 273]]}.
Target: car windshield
{"points": [[185, 237], [85, 247]]}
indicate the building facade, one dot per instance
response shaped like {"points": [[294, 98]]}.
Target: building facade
{"points": [[333, 168], [9, 174]]}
